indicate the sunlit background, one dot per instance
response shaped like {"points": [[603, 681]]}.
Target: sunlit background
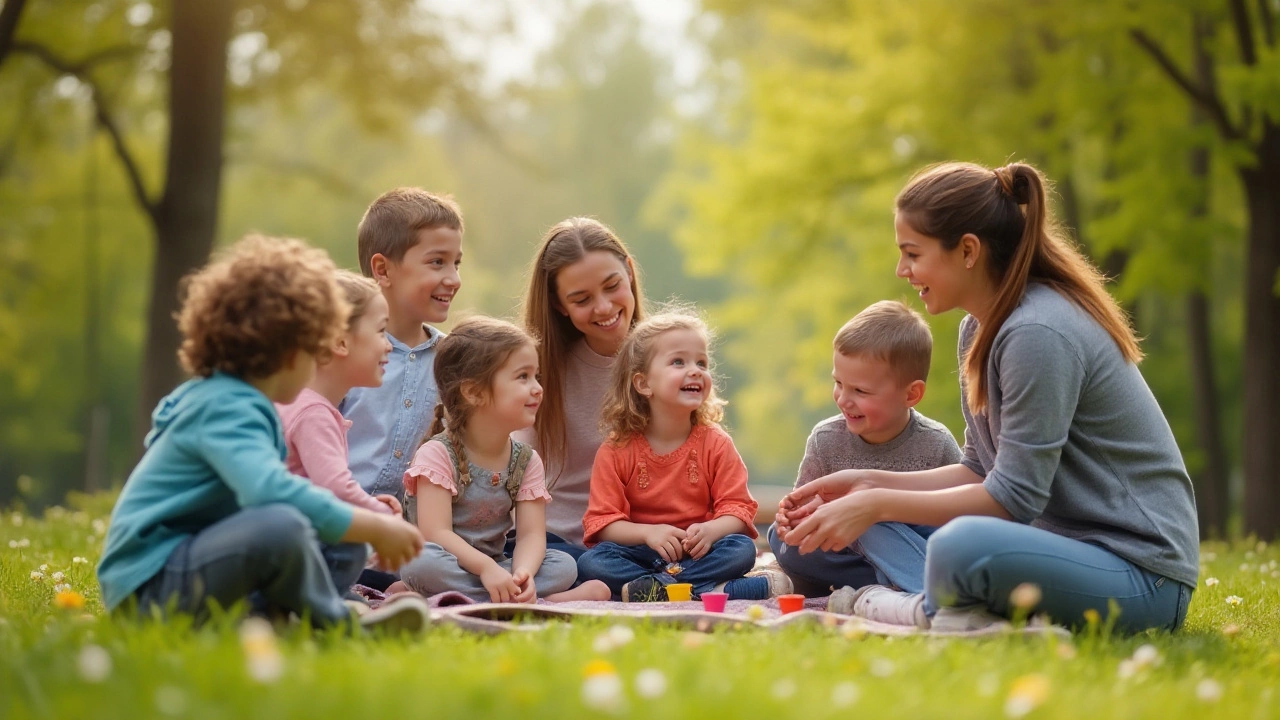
{"points": [[748, 152]]}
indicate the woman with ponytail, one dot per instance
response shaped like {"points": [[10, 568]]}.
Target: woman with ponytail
{"points": [[1071, 480]]}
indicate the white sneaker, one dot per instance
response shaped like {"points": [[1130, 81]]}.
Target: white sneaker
{"points": [[407, 613], [779, 582], [880, 604], [966, 620]]}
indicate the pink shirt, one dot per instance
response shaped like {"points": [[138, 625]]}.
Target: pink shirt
{"points": [[316, 435], [432, 462]]}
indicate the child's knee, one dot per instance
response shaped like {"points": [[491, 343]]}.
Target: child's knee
{"points": [[280, 526]]}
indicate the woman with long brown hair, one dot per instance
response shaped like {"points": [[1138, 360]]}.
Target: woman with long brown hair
{"points": [[1071, 480]]}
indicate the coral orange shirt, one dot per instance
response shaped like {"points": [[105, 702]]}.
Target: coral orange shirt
{"points": [[699, 481]]}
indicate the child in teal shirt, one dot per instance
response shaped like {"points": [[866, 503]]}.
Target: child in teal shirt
{"points": [[211, 513]]}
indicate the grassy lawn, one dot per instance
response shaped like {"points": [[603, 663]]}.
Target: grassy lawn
{"points": [[69, 662]]}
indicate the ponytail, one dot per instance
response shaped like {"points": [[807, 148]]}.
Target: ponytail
{"points": [[1007, 210]]}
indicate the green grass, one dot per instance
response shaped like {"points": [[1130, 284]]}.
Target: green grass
{"points": [[172, 670]]}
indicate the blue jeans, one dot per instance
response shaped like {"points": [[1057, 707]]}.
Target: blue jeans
{"points": [[887, 554], [270, 551], [729, 558], [554, 542], [978, 561]]}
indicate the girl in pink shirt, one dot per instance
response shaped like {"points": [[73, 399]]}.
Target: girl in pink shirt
{"points": [[669, 500], [314, 431]]}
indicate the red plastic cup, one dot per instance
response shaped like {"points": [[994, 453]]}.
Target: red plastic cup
{"points": [[790, 603], [714, 601]]}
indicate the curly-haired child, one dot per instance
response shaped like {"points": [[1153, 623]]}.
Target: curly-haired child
{"points": [[211, 515]]}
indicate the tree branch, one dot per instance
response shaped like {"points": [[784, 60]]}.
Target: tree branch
{"points": [[80, 71], [1244, 32], [1268, 22], [1206, 99], [9, 16], [327, 179]]}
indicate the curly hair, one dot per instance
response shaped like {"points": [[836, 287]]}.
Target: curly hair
{"points": [[470, 355], [626, 412], [264, 299]]}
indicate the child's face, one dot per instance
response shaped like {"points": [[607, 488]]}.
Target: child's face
{"points": [[422, 285], [367, 345], [595, 294], [875, 403], [938, 274], [516, 393], [678, 376]]}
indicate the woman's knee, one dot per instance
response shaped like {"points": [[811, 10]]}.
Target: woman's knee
{"points": [[963, 543]]}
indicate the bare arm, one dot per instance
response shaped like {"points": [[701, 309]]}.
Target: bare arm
{"points": [[531, 537]]}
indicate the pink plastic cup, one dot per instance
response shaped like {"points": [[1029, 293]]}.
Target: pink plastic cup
{"points": [[714, 601], [790, 603]]}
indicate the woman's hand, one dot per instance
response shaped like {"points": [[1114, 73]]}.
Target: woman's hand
{"points": [[834, 525]]}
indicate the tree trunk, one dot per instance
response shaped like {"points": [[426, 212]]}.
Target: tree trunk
{"points": [[187, 216], [1262, 339]]}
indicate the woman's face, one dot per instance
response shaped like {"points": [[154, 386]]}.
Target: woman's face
{"points": [[595, 294], [940, 276]]}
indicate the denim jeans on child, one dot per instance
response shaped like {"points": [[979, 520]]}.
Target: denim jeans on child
{"points": [[886, 554], [729, 558], [270, 550], [978, 561]]}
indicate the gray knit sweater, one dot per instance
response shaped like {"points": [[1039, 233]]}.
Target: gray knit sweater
{"points": [[923, 445]]}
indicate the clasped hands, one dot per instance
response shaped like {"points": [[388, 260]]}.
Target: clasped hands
{"points": [[828, 513], [673, 544]]}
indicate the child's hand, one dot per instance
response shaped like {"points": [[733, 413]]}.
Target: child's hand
{"points": [[528, 591], [395, 541], [391, 502], [666, 541], [501, 586], [698, 539]]}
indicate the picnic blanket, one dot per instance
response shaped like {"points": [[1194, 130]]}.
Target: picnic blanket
{"points": [[458, 610]]}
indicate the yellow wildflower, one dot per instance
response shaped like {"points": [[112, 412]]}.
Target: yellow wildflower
{"points": [[69, 600]]}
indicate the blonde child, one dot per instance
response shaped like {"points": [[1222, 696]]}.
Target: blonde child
{"points": [[469, 476], [584, 297], [669, 499], [315, 433], [211, 515]]}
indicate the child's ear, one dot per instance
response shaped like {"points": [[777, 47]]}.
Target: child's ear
{"points": [[341, 348], [915, 393], [555, 305], [473, 394], [640, 382], [378, 269]]}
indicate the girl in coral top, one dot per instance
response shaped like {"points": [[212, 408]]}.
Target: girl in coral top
{"points": [[669, 500]]}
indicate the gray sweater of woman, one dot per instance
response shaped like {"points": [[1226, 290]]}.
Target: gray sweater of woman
{"points": [[1073, 441]]}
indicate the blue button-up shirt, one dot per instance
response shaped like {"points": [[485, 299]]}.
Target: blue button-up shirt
{"points": [[388, 422]]}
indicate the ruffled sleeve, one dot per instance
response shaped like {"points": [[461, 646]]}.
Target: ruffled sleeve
{"points": [[431, 462], [534, 484]]}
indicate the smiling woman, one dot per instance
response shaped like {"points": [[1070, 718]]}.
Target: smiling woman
{"points": [[1062, 433], [584, 298]]}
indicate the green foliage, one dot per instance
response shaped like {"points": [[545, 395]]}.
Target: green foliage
{"points": [[50, 665], [835, 104]]}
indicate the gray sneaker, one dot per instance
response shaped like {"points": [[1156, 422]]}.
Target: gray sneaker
{"points": [[405, 613], [880, 604]]}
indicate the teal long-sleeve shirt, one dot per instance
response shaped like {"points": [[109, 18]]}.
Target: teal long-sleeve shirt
{"points": [[216, 446]]}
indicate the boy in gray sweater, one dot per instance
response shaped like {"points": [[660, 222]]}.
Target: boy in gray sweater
{"points": [[880, 366]]}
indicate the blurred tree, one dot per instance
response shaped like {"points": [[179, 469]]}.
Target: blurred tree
{"points": [[384, 58]]}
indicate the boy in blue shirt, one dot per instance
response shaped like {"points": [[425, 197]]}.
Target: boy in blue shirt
{"points": [[210, 513], [410, 243]]}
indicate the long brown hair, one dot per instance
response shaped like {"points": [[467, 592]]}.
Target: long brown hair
{"points": [[1006, 209], [626, 412], [467, 359], [567, 242]]}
